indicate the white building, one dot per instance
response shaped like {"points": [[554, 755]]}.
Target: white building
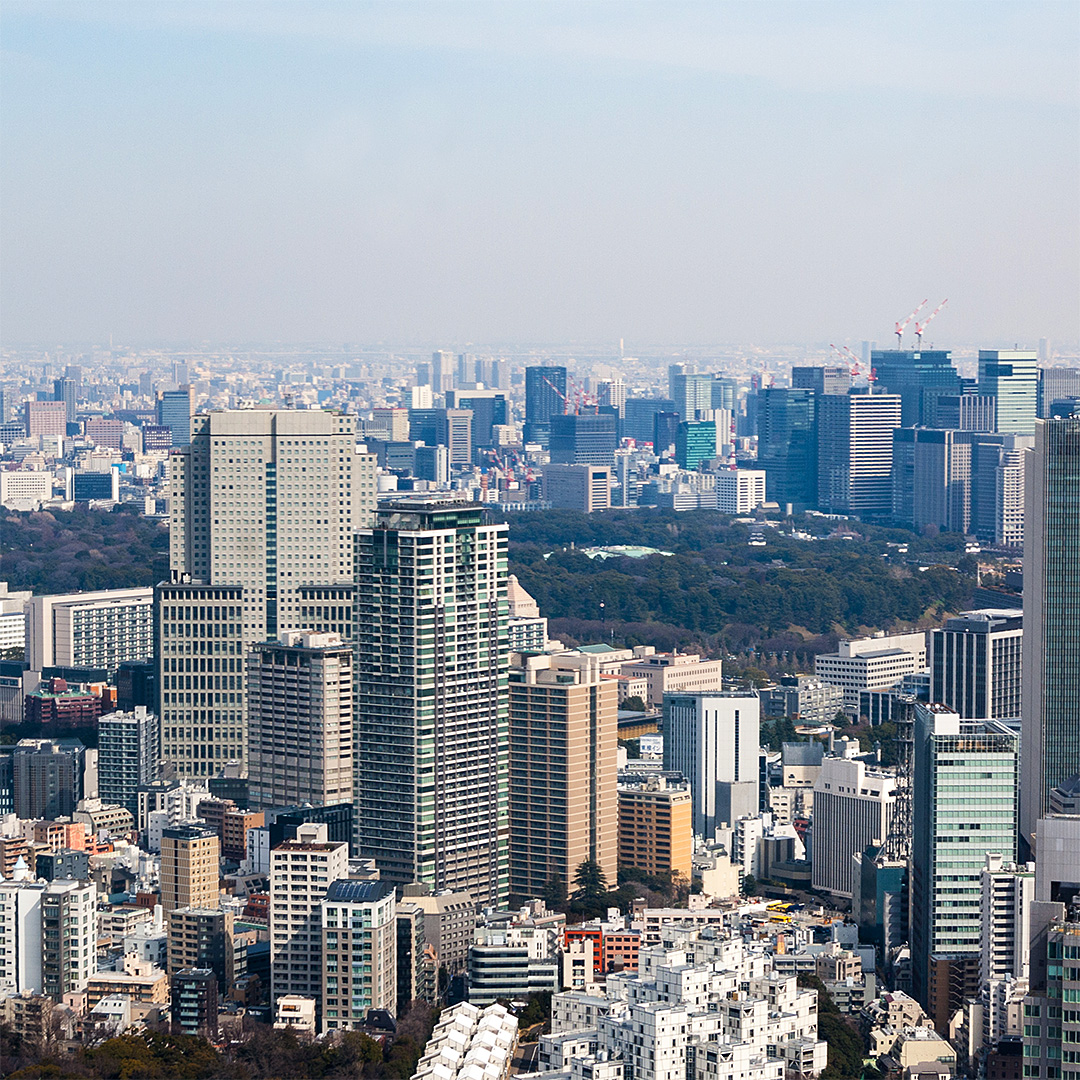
{"points": [[875, 663], [93, 629], [359, 968], [23, 489], [698, 1005], [12, 617], [853, 806], [712, 739], [740, 491], [50, 935], [301, 871], [470, 1043]]}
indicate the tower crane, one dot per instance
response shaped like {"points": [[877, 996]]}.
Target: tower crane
{"points": [[902, 326], [920, 327]]}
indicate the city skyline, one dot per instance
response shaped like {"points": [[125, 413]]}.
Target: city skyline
{"points": [[536, 172]]}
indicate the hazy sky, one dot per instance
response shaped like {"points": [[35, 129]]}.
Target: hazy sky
{"points": [[449, 173]]}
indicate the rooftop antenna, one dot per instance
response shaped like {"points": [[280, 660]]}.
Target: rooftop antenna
{"points": [[902, 326], [921, 326]]}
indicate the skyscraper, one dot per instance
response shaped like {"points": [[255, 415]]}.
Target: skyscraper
{"points": [[964, 797], [975, 664], [1056, 384], [712, 739], [174, 412], [931, 478], [264, 505], [431, 722], [787, 445], [584, 439], [855, 452], [918, 377], [639, 415], [693, 393], [695, 442], [1012, 377], [1051, 704], [822, 380], [563, 770], [300, 721], [545, 395], [65, 390]]}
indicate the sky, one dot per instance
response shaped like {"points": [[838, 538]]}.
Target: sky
{"points": [[455, 173]]}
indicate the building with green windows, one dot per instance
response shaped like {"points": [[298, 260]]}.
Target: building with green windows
{"points": [[431, 696], [1011, 378], [695, 442], [965, 807]]}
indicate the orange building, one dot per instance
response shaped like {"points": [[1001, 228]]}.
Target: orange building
{"points": [[656, 830]]}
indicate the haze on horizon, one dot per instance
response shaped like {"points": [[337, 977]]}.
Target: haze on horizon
{"points": [[452, 172]]}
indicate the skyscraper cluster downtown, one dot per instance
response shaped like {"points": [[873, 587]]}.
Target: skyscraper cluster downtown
{"points": [[349, 768]]}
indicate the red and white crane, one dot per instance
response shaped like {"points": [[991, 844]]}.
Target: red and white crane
{"points": [[902, 326], [920, 327]]}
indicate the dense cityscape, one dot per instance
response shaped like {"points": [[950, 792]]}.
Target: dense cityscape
{"points": [[310, 778], [539, 540]]}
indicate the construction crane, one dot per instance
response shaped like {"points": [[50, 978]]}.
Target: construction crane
{"points": [[852, 362], [920, 327], [901, 327], [558, 393]]}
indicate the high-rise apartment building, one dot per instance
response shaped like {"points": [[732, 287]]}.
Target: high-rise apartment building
{"points": [[917, 376], [853, 807], [787, 444], [264, 505], [563, 771], [300, 721], [202, 938], [975, 664], [301, 871], [712, 739], [613, 393], [129, 755], [1012, 378], [821, 380], [189, 867], [855, 452], [50, 936], [359, 953], [47, 777], [964, 796], [1051, 704], [431, 677]]}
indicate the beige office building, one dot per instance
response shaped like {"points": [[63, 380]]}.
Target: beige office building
{"points": [[675, 673], [264, 504], [300, 721], [189, 867], [563, 771]]}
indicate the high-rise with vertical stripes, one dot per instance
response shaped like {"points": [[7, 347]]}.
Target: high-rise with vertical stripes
{"points": [[263, 508], [1050, 703], [431, 696]]}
